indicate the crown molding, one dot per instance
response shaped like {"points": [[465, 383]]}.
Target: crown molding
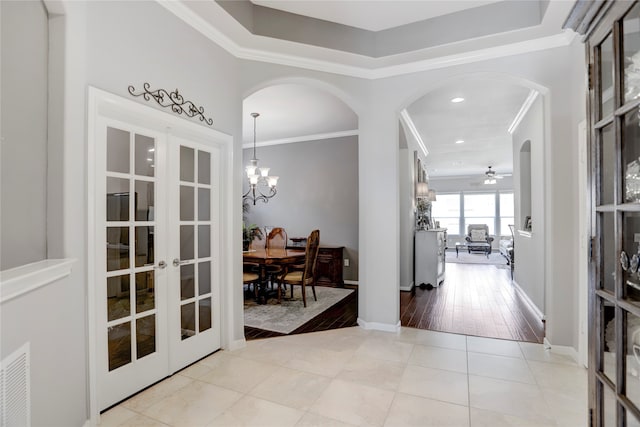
{"points": [[304, 138], [408, 121], [181, 11], [533, 94]]}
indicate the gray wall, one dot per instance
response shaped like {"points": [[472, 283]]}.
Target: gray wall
{"points": [[51, 319], [23, 152], [318, 188]]}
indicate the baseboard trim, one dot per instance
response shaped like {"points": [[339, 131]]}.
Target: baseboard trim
{"points": [[564, 350], [351, 282], [236, 345], [408, 288], [524, 296], [375, 326]]}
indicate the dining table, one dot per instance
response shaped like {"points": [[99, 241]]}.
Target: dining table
{"points": [[264, 257]]}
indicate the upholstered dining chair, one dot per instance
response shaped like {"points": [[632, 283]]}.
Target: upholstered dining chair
{"points": [[307, 275]]}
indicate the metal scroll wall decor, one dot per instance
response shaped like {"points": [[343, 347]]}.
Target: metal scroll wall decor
{"points": [[172, 100]]}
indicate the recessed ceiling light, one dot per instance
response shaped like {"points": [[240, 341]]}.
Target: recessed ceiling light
{"points": [[460, 141], [457, 99]]}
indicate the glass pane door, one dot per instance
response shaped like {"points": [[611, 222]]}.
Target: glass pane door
{"points": [[197, 238], [615, 139], [130, 298], [154, 267], [131, 321]]}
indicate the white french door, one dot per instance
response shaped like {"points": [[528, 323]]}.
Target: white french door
{"points": [[157, 270], [195, 274]]}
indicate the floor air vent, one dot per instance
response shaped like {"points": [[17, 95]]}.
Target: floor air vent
{"points": [[15, 405]]}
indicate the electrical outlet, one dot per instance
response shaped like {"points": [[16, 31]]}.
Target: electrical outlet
{"points": [[346, 262]]}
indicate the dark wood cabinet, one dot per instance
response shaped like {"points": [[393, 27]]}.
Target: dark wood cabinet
{"points": [[329, 266], [613, 129]]}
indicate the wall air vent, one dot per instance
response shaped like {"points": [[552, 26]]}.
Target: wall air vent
{"points": [[15, 389]]}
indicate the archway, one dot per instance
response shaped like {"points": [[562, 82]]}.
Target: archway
{"points": [[308, 137], [462, 144]]}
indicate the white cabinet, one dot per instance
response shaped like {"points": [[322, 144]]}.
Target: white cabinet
{"points": [[429, 256]]}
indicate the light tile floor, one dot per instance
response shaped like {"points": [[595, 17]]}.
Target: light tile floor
{"points": [[352, 376]]}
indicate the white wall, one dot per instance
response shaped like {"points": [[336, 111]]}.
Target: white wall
{"points": [[317, 189], [406, 189], [46, 320], [23, 169], [529, 250], [407, 218], [469, 184], [561, 298]]}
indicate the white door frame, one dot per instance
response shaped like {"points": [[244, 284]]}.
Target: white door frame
{"points": [[105, 104]]}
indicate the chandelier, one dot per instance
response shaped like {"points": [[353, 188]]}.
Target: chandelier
{"points": [[258, 176]]}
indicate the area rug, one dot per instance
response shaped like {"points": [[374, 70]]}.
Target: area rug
{"points": [[464, 257], [291, 314]]}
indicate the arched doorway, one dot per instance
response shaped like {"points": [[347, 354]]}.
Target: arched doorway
{"points": [[467, 135], [308, 137]]}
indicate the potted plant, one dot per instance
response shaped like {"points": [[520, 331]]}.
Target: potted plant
{"points": [[249, 233]]}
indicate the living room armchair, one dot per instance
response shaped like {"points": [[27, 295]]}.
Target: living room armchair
{"points": [[478, 238]]}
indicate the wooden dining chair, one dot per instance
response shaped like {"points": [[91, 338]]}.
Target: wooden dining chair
{"points": [[276, 239], [258, 242], [307, 275], [250, 277]]}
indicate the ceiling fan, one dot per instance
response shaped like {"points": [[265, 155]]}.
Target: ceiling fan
{"points": [[492, 176]]}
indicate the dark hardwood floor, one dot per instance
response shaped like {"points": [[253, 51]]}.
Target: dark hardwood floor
{"points": [[342, 315], [474, 299]]}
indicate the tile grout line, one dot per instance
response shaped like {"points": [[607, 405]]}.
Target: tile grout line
{"points": [[466, 347]]}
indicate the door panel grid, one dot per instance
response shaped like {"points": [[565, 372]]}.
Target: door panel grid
{"points": [[195, 241], [130, 247], [157, 275]]}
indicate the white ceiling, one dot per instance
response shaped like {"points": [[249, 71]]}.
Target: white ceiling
{"points": [[294, 112], [372, 15], [482, 121]]}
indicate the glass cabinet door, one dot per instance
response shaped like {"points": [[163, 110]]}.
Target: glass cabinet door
{"points": [[614, 121]]}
